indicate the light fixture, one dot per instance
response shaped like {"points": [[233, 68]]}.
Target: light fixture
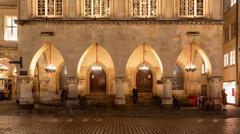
{"points": [[144, 67], [97, 66], [190, 67], [3, 69], [50, 68]]}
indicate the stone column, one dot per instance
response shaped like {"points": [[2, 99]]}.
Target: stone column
{"points": [[120, 90], [215, 87], [72, 87], [25, 88], [167, 91]]}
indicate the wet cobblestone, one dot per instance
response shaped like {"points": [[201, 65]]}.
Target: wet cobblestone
{"points": [[116, 125]]}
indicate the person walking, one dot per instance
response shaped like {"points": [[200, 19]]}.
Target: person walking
{"points": [[176, 103], [224, 99], [135, 95]]}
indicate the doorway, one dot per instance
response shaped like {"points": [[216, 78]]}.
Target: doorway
{"points": [[230, 89], [144, 80], [98, 81]]}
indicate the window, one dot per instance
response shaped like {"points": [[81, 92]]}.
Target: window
{"points": [[232, 57], [204, 68], [191, 7], [97, 8], [178, 79], [10, 28], [233, 2], [233, 30], [226, 33], [225, 59], [49, 7], [144, 8]]}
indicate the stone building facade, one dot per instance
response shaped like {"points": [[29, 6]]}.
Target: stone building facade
{"points": [[8, 47], [230, 75], [112, 46]]}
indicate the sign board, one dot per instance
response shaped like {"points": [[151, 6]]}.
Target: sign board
{"points": [[23, 73]]}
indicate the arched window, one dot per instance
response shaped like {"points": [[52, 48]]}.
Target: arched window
{"points": [[178, 81], [192, 8], [97, 8], [49, 7], [144, 8]]}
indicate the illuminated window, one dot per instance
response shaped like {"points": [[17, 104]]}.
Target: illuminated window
{"points": [[143, 8], [232, 57], [191, 7], [225, 59], [97, 8], [49, 7], [233, 2], [204, 68], [10, 28]]}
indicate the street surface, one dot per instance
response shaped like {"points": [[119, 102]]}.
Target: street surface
{"points": [[52, 124]]}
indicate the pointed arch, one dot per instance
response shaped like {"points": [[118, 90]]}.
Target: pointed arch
{"points": [[136, 59], [88, 59], [38, 54], [183, 57]]}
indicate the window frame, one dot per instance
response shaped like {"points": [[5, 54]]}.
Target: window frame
{"points": [[131, 9], [204, 68], [232, 57], [12, 27], [46, 9], [205, 9], [233, 2], [226, 60], [101, 9]]}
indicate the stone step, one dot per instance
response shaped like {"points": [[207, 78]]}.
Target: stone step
{"points": [[99, 99]]}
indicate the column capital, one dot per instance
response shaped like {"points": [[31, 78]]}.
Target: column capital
{"points": [[25, 79], [71, 80], [215, 78], [167, 79]]}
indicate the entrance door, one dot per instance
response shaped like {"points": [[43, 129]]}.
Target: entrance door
{"points": [[230, 91], [98, 81], [144, 80]]}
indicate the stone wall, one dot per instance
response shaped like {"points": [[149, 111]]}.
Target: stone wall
{"points": [[120, 40]]}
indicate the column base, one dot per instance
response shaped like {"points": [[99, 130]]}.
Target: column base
{"points": [[26, 101], [120, 101], [167, 101]]}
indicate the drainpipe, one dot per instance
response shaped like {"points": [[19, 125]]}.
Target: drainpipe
{"points": [[237, 48]]}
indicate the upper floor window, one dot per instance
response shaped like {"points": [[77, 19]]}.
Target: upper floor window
{"points": [[192, 8], [226, 33], [233, 2], [49, 7], [10, 32], [143, 8], [232, 57], [204, 68], [233, 30], [97, 8], [225, 58]]}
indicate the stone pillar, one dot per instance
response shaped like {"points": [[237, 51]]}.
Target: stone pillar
{"points": [[72, 86], [120, 90], [214, 87], [25, 88], [167, 91]]}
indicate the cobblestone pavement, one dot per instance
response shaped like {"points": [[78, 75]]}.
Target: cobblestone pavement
{"points": [[116, 125]]}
